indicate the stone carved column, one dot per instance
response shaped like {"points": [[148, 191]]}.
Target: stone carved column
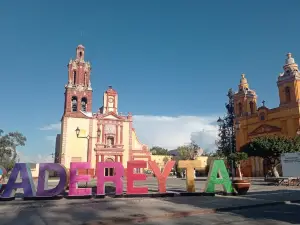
{"points": [[117, 134], [121, 135], [103, 135], [97, 160]]}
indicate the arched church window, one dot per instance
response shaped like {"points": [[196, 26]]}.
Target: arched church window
{"points": [[110, 141], [83, 104], [74, 104], [287, 94], [80, 54], [240, 109], [74, 77], [251, 107], [262, 116]]}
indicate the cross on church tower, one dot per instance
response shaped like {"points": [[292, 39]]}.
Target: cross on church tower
{"points": [[263, 102]]}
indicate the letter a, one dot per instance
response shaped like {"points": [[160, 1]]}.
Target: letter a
{"points": [[218, 168], [27, 183]]}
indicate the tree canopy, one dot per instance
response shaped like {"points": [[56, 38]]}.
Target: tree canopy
{"points": [[187, 152], [271, 147], [237, 158], [8, 148], [156, 150], [226, 141]]}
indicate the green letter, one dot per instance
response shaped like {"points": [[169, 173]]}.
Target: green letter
{"points": [[217, 167]]}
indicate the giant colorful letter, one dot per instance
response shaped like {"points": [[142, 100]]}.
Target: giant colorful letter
{"points": [[2, 175], [43, 179], [161, 177], [190, 166], [131, 177], [117, 178], [218, 167], [74, 179], [27, 183]]}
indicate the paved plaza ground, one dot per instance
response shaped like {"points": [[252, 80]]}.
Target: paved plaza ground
{"points": [[173, 210]]}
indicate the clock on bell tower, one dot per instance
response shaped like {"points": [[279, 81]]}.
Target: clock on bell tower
{"points": [[110, 101]]}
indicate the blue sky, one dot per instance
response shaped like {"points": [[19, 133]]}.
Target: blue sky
{"points": [[165, 58]]}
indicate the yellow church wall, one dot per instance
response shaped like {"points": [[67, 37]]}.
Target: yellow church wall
{"points": [[159, 159], [286, 119], [76, 148], [135, 142]]}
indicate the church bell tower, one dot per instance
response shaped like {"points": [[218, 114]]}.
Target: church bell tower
{"points": [[289, 83], [78, 91], [245, 99]]}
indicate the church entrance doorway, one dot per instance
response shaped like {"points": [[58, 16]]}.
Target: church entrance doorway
{"points": [[109, 171]]}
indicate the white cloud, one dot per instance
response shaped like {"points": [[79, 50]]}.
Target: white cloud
{"points": [[35, 159], [51, 138], [54, 126], [171, 132]]}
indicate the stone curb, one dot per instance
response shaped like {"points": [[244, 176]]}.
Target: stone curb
{"points": [[143, 218]]}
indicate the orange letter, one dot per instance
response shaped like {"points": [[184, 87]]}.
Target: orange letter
{"points": [[131, 177], [161, 177], [190, 165]]}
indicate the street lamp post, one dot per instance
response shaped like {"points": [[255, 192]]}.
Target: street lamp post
{"points": [[237, 128], [231, 129], [88, 137]]}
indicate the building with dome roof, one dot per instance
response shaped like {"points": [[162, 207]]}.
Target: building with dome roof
{"points": [[94, 137], [254, 121]]}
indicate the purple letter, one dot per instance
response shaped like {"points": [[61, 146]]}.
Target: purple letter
{"points": [[74, 179], [27, 183], [117, 178], [43, 179]]}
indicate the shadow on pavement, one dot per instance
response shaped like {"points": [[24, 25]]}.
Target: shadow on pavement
{"points": [[130, 211], [288, 212]]}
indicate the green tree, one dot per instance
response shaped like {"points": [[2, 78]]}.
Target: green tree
{"points": [[270, 149], [187, 152], [226, 141], [165, 160], [156, 150], [237, 158], [8, 148]]}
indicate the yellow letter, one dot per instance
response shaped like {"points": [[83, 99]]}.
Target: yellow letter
{"points": [[190, 165]]}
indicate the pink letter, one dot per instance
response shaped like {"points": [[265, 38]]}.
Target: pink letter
{"points": [[116, 179], [131, 177], [161, 177], [74, 179]]}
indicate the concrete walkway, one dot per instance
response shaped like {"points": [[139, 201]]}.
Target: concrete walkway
{"points": [[129, 211], [141, 210]]}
